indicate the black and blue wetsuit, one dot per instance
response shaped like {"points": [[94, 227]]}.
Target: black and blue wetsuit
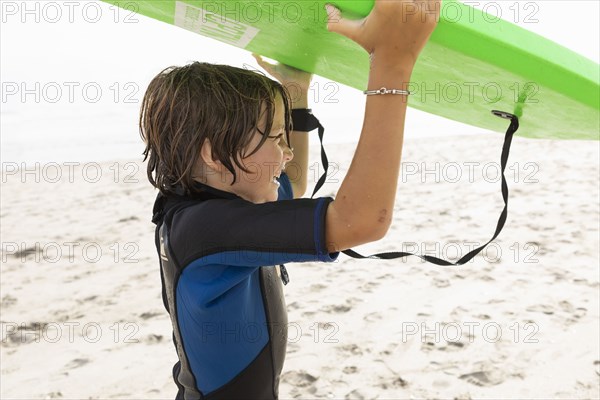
{"points": [[218, 254]]}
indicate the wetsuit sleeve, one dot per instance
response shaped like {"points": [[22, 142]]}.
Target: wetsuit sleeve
{"points": [[236, 232], [285, 190]]}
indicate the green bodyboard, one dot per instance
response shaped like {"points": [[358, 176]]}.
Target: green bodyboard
{"points": [[472, 64]]}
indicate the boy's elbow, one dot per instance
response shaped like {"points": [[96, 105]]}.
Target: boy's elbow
{"points": [[347, 227], [378, 231], [370, 233], [375, 229]]}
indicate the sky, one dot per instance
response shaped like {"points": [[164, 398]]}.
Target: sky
{"points": [[91, 76]]}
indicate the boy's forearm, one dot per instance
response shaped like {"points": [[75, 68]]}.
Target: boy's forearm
{"points": [[299, 164], [299, 142], [367, 194]]}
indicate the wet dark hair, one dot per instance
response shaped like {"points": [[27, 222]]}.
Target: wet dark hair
{"points": [[183, 106]]}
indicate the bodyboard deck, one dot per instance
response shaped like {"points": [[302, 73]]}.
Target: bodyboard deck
{"points": [[472, 64]]}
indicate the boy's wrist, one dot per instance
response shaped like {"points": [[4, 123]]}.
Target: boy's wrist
{"points": [[301, 101], [298, 95]]}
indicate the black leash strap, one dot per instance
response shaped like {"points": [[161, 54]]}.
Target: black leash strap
{"points": [[305, 121], [514, 125], [324, 160]]}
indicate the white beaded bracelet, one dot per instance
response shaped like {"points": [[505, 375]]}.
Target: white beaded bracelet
{"points": [[383, 90]]}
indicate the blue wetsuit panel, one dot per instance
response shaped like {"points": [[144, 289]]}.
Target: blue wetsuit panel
{"points": [[285, 190], [221, 336]]}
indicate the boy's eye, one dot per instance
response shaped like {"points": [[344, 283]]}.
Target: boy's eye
{"points": [[278, 137]]}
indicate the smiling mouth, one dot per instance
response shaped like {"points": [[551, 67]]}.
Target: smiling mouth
{"points": [[278, 175]]}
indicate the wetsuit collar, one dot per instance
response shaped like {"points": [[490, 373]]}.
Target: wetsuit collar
{"points": [[201, 187]]}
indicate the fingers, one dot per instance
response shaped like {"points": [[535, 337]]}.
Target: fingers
{"points": [[260, 61], [336, 23], [270, 68]]}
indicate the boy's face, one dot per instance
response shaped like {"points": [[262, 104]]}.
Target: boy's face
{"points": [[259, 185]]}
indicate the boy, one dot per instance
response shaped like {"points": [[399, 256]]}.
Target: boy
{"points": [[216, 149]]}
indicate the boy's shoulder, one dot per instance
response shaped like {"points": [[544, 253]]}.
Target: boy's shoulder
{"points": [[208, 211]]}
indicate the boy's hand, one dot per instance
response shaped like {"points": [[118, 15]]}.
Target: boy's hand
{"points": [[398, 29], [296, 81]]}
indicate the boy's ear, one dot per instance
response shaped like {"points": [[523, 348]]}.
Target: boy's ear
{"points": [[206, 155]]}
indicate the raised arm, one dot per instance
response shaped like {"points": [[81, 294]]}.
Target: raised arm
{"points": [[393, 34], [299, 142]]}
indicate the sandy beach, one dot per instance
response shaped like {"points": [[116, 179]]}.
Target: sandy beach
{"points": [[82, 314]]}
